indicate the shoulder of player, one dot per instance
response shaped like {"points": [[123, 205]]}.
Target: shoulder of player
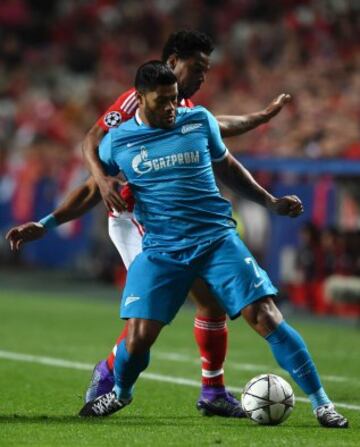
{"points": [[127, 101], [194, 113], [121, 135], [122, 109]]}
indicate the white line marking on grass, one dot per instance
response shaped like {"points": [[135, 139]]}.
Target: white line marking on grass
{"points": [[242, 366], [62, 363], [49, 361]]}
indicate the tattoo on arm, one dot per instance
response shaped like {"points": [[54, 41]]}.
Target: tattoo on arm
{"points": [[231, 126]]}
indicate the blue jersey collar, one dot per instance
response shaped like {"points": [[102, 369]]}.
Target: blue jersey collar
{"points": [[138, 120]]}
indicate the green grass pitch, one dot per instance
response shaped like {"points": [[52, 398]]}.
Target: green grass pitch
{"points": [[39, 401]]}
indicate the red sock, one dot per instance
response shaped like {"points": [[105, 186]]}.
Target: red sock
{"points": [[111, 357], [211, 337]]}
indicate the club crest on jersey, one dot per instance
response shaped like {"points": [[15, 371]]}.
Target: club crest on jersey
{"points": [[186, 128], [112, 119], [142, 165]]}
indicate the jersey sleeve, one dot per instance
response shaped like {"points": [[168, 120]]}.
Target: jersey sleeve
{"points": [[121, 110], [187, 103], [105, 154], [217, 147]]}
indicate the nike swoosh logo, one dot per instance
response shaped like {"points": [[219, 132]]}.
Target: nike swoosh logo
{"points": [[259, 283]]}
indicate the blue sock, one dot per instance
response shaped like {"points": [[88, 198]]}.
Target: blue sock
{"points": [[127, 368], [291, 353], [319, 398]]}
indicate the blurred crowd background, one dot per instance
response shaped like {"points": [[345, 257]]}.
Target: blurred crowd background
{"points": [[63, 62]]}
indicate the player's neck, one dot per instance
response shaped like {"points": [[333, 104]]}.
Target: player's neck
{"points": [[141, 118]]}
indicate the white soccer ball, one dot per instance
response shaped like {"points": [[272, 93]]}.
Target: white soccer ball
{"points": [[268, 399]]}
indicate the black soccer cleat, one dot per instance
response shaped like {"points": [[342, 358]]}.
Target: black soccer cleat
{"points": [[330, 418], [104, 405], [225, 406]]}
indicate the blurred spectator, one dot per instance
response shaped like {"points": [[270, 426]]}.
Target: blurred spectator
{"points": [[326, 252], [321, 254], [308, 254], [83, 54], [63, 62]]}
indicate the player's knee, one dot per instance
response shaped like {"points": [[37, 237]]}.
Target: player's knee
{"points": [[141, 335], [268, 318], [263, 316], [137, 343]]}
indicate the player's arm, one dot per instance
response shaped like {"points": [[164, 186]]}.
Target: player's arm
{"points": [[77, 203], [232, 125], [90, 150], [122, 110], [108, 186], [236, 177]]}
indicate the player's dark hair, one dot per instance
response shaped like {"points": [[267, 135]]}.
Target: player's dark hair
{"points": [[186, 43], [152, 74]]}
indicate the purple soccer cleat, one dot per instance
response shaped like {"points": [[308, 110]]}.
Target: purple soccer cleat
{"points": [[102, 382], [216, 401]]}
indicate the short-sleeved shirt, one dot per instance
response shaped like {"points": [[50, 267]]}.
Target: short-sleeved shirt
{"points": [[122, 110], [170, 174]]}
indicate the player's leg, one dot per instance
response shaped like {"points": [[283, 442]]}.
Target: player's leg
{"points": [[133, 354], [210, 331], [126, 235], [241, 285], [132, 358], [291, 353], [148, 305]]}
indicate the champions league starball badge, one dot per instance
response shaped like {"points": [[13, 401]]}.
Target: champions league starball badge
{"points": [[112, 119]]}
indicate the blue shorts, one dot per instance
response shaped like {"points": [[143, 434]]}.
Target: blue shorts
{"points": [[158, 282]]}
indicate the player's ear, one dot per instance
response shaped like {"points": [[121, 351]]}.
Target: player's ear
{"points": [[172, 61], [139, 97]]}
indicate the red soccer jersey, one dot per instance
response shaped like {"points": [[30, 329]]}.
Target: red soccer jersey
{"points": [[122, 110]]}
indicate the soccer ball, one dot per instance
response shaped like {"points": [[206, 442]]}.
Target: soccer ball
{"points": [[268, 399]]}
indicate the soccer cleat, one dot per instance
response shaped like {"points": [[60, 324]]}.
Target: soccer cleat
{"points": [[226, 405], [329, 417], [104, 406], [102, 381]]}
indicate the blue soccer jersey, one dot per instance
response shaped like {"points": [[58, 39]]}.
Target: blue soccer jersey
{"points": [[170, 174]]}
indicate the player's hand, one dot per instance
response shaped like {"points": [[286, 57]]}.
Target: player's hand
{"points": [[287, 206], [276, 105], [27, 232], [110, 192]]}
